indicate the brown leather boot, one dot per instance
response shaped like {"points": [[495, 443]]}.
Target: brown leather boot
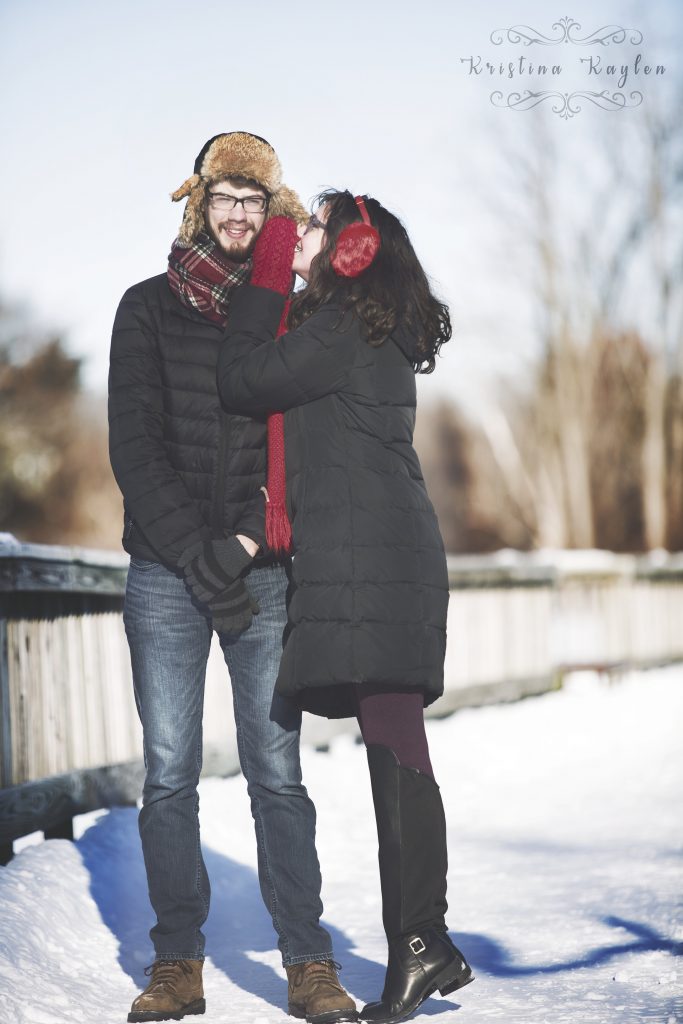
{"points": [[315, 993], [174, 991]]}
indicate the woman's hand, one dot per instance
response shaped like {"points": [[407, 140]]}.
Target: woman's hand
{"points": [[250, 546], [274, 255]]}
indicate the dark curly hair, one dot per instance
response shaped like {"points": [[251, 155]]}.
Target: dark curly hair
{"points": [[393, 292]]}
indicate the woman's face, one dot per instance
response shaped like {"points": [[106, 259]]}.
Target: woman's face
{"points": [[311, 237]]}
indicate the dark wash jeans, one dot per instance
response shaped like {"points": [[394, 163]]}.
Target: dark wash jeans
{"points": [[169, 641]]}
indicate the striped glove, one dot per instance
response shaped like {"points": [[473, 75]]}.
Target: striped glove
{"points": [[233, 609], [213, 565], [212, 572]]}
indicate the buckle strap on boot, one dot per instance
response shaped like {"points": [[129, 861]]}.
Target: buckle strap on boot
{"points": [[418, 966]]}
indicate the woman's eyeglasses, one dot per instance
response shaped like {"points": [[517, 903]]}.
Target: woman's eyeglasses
{"points": [[314, 223]]}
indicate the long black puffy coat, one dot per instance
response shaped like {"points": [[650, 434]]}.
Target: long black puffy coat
{"points": [[369, 581], [188, 470]]}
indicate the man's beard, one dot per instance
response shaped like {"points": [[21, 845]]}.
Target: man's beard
{"points": [[238, 252]]}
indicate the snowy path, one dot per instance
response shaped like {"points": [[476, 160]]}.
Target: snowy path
{"points": [[565, 832]]}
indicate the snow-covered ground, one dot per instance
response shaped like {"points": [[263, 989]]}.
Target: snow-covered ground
{"points": [[565, 836]]}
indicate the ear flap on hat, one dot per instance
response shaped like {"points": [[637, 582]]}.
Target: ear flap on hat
{"points": [[185, 188], [193, 216], [286, 203]]}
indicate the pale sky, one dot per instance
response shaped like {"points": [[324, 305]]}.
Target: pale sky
{"points": [[103, 108]]}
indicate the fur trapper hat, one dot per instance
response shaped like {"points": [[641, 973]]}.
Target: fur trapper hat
{"points": [[230, 155]]}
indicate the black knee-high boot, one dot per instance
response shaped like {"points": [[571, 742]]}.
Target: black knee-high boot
{"points": [[411, 829]]}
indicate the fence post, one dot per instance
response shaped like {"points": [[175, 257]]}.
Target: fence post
{"points": [[6, 848]]}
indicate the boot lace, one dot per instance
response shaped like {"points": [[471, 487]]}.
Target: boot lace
{"points": [[320, 972], [165, 973]]}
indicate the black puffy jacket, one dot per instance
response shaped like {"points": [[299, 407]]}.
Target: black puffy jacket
{"points": [[369, 592], [188, 470]]}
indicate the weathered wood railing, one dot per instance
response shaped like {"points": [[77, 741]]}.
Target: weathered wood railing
{"points": [[69, 739], [69, 735]]}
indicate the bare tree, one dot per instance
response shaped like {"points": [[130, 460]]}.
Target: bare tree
{"points": [[585, 266]]}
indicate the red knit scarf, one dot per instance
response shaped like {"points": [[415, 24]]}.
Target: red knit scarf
{"points": [[278, 527], [203, 278]]}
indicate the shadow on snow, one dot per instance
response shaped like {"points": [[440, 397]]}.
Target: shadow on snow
{"points": [[491, 957], [238, 922], [239, 925]]}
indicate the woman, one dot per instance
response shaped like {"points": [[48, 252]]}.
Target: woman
{"points": [[367, 612]]}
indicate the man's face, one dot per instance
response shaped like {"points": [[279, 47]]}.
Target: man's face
{"points": [[236, 230]]}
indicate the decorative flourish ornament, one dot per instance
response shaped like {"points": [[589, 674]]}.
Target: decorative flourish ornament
{"points": [[567, 103], [566, 32]]}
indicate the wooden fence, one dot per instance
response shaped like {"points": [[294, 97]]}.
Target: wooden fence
{"points": [[69, 735]]}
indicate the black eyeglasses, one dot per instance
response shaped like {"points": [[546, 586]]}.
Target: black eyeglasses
{"points": [[224, 202], [314, 223]]}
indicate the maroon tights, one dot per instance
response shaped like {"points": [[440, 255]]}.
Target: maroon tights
{"points": [[395, 719]]}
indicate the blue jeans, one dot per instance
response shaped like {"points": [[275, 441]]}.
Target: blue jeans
{"points": [[169, 641]]}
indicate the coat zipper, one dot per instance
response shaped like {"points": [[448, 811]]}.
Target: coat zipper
{"points": [[219, 494]]}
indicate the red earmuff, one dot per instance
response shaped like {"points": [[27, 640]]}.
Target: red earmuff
{"points": [[356, 246]]}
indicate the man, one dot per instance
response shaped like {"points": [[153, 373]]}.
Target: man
{"points": [[191, 477]]}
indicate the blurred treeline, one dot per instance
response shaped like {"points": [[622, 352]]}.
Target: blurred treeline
{"points": [[56, 486], [585, 449]]}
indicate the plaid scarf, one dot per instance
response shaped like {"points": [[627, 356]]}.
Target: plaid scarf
{"points": [[204, 278]]}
